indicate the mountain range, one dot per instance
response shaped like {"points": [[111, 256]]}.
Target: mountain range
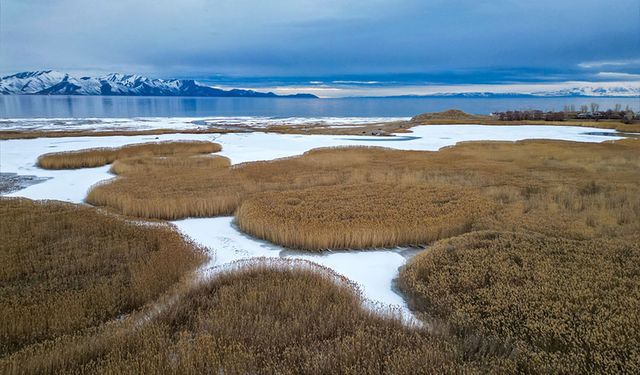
{"points": [[49, 82], [581, 92]]}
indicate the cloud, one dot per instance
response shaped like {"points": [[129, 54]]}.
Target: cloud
{"points": [[356, 82], [356, 40], [399, 90], [619, 76], [613, 63]]}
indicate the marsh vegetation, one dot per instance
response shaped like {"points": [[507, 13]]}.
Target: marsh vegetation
{"points": [[532, 268], [97, 157], [552, 187], [559, 305], [360, 216], [260, 316], [67, 268], [282, 318]]}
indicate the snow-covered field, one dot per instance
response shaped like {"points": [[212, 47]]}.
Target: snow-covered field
{"points": [[374, 270], [185, 123]]}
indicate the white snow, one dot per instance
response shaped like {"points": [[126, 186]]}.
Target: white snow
{"points": [[265, 122], [34, 82], [245, 147], [185, 123], [99, 124], [372, 270]]}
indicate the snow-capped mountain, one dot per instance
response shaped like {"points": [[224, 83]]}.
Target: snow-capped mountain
{"points": [[593, 91], [582, 91], [49, 82]]}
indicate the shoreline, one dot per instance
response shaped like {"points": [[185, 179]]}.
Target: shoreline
{"points": [[315, 126]]}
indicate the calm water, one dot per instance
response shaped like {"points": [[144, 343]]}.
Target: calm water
{"points": [[84, 106]]}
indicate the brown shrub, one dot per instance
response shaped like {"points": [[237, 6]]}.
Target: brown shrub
{"points": [[96, 157], [565, 306], [360, 216], [66, 268]]}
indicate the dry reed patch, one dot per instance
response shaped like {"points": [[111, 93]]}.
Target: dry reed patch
{"points": [[565, 306], [66, 268], [167, 165], [96, 157], [565, 189], [275, 317], [169, 188], [571, 189], [360, 216], [194, 190]]}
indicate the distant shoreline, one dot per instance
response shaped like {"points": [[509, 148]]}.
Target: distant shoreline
{"points": [[314, 97], [449, 117], [80, 106]]}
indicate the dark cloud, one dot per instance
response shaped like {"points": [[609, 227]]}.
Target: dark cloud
{"points": [[440, 41]]}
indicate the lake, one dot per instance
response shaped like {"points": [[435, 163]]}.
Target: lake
{"points": [[24, 106]]}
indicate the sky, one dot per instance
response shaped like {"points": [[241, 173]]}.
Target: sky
{"points": [[396, 46]]}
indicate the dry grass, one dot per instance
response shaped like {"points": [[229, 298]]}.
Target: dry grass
{"points": [[167, 165], [96, 157], [262, 317], [558, 296], [279, 321], [198, 190], [570, 189], [66, 268], [360, 216], [169, 188], [563, 306]]}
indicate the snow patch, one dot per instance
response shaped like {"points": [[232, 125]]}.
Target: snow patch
{"points": [[373, 271]]}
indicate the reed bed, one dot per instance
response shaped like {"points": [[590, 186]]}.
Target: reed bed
{"points": [[564, 306], [268, 317], [168, 165], [547, 282], [182, 186], [567, 189], [67, 268], [360, 216], [96, 157]]}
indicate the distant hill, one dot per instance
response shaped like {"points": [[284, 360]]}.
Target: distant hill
{"points": [[49, 82], [451, 114]]}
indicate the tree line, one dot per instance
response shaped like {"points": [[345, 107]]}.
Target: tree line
{"points": [[585, 112]]}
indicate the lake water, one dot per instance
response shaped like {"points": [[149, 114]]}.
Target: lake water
{"points": [[123, 107]]}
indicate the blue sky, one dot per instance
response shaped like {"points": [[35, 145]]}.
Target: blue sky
{"points": [[330, 43]]}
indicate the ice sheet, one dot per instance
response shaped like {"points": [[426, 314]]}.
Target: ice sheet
{"points": [[184, 123]]}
